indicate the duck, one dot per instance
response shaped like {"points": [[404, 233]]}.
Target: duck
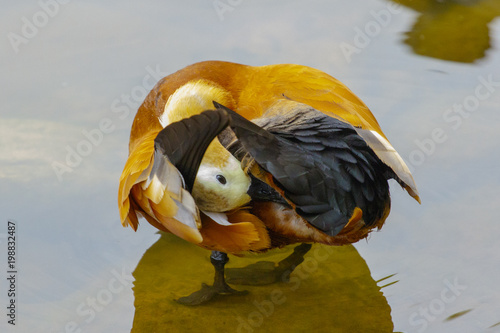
{"points": [[237, 159]]}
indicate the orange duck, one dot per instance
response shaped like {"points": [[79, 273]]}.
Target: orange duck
{"points": [[235, 158]]}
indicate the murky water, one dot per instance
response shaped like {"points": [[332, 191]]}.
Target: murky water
{"points": [[331, 284], [73, 75]]}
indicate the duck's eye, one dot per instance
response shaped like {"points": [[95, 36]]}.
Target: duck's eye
{"points": [[221, 179]]}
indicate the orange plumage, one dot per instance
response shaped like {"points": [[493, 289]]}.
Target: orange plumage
{"points": [[253, 92]]}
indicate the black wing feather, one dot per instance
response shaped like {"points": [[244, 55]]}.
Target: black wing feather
{"points": [[185, 142], [323, 166]]}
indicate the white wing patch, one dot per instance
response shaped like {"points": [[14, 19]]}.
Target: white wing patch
{"points": [[387, 154], [220, 218], [165, 179]]}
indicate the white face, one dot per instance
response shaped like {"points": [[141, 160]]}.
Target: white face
{"points": [[219, 189]]}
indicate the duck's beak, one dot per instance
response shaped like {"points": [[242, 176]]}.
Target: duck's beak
{"points": [[260, 191]]}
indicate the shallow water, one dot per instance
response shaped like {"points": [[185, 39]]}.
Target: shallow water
{"points": [[324, 291], [72, 81]]}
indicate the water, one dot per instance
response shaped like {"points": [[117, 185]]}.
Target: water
{"points": [[73, 75]]}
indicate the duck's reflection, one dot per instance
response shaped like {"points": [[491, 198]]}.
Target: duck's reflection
{"points": [[331, 291], [455, 30]]}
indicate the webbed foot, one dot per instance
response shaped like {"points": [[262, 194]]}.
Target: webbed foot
{"points": [[206, 293], [266, 272], [220, 287]]}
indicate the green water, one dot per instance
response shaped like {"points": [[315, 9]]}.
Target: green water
{"points": [[331, 288]]}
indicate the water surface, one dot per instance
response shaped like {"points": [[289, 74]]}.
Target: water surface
{"points": [[71, 84]]}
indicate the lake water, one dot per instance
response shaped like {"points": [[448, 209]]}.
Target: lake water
{"points": [[73, 76]]}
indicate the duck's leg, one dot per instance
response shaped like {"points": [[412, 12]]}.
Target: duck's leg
{"points": [[266, 272], [220, 287]]}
